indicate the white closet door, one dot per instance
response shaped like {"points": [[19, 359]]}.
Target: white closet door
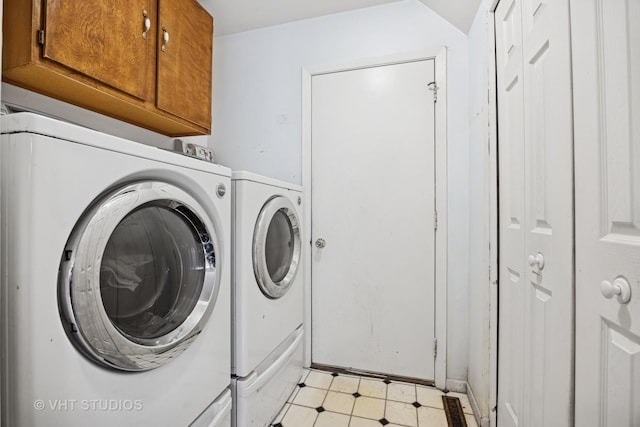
{"points": [[606, 60], [536, 216], [548, 128], [512, 286]]}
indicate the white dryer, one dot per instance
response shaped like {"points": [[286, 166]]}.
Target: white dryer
{"points": [[267, 294], [115, 281]]}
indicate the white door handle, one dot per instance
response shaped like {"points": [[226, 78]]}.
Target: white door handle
{"points": [[536, 261], [619, 287]]}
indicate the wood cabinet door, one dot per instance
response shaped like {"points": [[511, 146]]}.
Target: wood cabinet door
{"points": [[185, 60], [104, 40]]}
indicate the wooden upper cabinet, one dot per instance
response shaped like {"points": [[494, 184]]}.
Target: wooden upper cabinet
{"points": [[108, 56], [106, 41], [185, 46]]}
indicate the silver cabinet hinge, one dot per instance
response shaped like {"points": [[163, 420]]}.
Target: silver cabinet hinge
{"points": [[435, 220], [41, 37], [433, 87], [435, 347]]}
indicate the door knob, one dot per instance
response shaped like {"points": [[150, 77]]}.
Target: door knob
{"points": [[321, 243], [536, 261], [619, 287]]}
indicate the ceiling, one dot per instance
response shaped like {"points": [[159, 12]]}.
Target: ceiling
{"points": [[458, 12], [243, 15]]}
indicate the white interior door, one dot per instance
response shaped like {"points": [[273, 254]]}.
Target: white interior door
{"points": [[536, 213], [606, 59], [373, 204]]}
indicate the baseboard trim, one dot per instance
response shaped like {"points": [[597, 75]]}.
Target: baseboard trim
{"points": [[457, 386], [481, 420]]}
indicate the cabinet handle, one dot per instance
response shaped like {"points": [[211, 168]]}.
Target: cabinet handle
{"points": [[165, 38], [146, 24]]}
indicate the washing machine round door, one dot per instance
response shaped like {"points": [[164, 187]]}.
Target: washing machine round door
{"points": [[139, 276], [276, 247]]}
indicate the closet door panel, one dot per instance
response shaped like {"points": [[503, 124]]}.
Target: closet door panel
{"points": [[536, 211], [511, 386], [549, 211], [607, 119]]}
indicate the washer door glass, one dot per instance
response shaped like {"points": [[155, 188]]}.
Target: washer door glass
{"points": [[276, 247], [138, 277], [152, 272]]}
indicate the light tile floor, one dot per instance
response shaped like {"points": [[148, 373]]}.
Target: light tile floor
{"points": [[324, 399]]}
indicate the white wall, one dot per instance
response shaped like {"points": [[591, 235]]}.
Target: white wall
{"points": [[257, 110], [479, 219]]}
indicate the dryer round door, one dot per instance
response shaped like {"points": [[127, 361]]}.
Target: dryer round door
{"points": [[276, 247], [139, 278]]}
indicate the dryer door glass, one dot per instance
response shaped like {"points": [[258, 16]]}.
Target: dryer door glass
{"points": [[276, 247], [152, 272], [279, 246], [139, 277]]}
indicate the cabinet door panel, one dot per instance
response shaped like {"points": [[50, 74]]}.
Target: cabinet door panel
{"points": [[104, 40], [184, 67]]}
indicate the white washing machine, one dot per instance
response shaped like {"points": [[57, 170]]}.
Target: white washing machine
{"points": [[267, 294], [115, 281]]}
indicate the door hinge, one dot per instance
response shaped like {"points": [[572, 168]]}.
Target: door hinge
{"points": [[435, 347], [435, 220], [433, 87], [41, 37]]}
